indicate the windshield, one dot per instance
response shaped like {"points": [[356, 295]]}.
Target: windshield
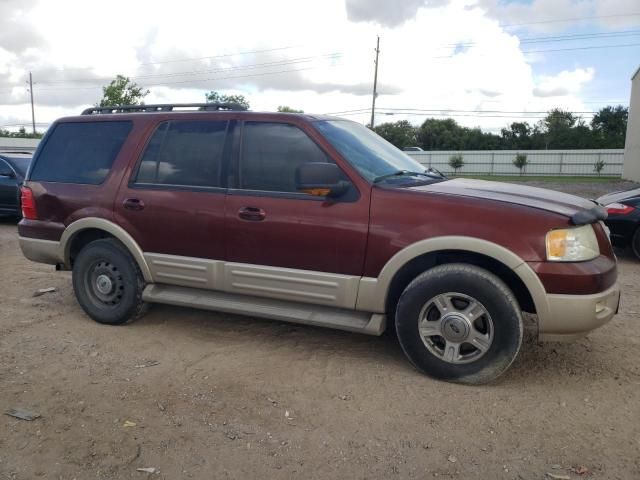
{"points": [[369, 153]]}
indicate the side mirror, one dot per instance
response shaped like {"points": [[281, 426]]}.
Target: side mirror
{"points": [[321, 179]]}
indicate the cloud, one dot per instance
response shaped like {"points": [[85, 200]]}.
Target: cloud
{"points": [[385, 12], [315, 55], [17, 33], [565, 83]]}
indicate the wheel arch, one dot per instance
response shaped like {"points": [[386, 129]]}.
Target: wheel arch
{"points": [[82, 231], [380, 294]]}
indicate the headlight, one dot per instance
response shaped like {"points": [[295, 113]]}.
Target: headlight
{"points": [[572, 244]]}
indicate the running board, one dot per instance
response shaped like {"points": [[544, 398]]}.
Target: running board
{"points": [[296, 312]]}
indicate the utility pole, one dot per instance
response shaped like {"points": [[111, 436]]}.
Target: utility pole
{"points": [[375, 85], [33, 115]]}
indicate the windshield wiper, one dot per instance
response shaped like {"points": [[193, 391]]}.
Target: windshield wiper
{"points": [[400, 173]]}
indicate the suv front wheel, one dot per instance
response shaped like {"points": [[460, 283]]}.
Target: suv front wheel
{"points": [[108, 283], [460, 323]]}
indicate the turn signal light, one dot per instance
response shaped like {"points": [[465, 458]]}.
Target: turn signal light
{"points": [[28, 204]]}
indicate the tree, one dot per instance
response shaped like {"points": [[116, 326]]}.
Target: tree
{"points": [[599, 166], [562, 129], [456, 162], [122, 91], [521, 162], [401, 133], [21, 133], [216, 97], [287, 109], [609, 126], [435, 134]]}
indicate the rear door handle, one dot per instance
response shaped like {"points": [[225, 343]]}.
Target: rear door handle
{"points": [[253, 214], [133, 204]]}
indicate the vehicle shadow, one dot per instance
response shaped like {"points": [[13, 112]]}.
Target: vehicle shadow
{"points": [[204, 326], [536, 363], [9, 220]]}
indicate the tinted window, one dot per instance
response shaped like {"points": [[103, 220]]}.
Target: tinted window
{"points": [[5, 171], [80, 152], [187, 153], [20, 164], [271, 152]]}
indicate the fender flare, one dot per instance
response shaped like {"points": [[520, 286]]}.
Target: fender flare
{"points": [[372, 294], [111, 228]]}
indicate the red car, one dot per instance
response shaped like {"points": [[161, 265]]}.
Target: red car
{"points": [[311, 219]]}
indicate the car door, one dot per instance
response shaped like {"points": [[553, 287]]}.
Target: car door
{"points": [[173, 204], [8, 188], [283, 243]]}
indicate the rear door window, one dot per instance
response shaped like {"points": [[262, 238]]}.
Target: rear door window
{"points": [[184, 153], [271, 153], [81, 152]]}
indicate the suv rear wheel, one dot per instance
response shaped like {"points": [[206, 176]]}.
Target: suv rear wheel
{"points": [[460, 323], [108, 283]]}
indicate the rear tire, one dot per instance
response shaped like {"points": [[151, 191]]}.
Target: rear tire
{"points": [[635, 243], [108, 283], [460, 323]]}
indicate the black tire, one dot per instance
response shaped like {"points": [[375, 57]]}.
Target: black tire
{"points": [[635, 243], [501, 324], [108, 265]]}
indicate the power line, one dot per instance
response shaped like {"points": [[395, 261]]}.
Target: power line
{"points": [[562, 20], [193, 59], [555, 38], [292, 61], [446, 110], [164, 84], [593, 47]]}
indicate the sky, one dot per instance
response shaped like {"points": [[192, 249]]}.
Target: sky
{"points": [[484, 63]]}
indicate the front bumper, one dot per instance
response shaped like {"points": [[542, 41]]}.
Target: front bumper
{"points": [[573, 316]]}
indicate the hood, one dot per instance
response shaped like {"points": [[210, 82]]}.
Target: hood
{"points": [[631, 197], [540, 198]]}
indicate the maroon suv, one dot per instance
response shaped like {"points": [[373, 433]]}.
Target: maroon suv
{"points": [[311, 219]]}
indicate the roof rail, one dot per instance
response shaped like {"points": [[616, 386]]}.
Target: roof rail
{"points": [[162, 107]]}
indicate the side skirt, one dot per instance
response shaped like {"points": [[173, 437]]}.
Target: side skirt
{"points": [[296, 312]]}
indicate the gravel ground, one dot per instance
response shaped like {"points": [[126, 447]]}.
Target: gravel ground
{"points": [[202, 395]]}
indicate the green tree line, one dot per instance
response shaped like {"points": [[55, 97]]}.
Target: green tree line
{"points": [[558, 130], [21, 133]]}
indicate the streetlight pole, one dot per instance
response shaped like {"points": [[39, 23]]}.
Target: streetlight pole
{"points": [[375, 85], [33, 114]]}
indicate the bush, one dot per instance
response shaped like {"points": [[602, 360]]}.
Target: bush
{"points": [[456, 162], [521, 162], [599, 166]]}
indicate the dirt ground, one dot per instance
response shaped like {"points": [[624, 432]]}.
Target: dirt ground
{"points": [[216, 396]]}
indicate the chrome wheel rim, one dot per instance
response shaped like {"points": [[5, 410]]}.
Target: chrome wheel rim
{"points": [[456, 328]]}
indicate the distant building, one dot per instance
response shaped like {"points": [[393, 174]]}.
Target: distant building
{"points": [[631, 169]]}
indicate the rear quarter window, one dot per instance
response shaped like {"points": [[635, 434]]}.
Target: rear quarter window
{"points": [[80, 152]]}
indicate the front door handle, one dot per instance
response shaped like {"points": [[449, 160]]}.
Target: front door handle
{"points": [[133, 204], [253, 214]]}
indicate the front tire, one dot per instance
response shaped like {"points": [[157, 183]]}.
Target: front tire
{"points": [[108, 283], [460, 323]]}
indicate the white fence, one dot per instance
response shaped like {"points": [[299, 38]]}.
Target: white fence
{"points": [[541, 162], [18, 144]]}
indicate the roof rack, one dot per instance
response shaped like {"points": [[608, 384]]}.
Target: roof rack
{"points": [[162, 107]]}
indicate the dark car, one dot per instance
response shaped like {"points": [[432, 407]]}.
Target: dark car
{"points": [[13, 168], [311, 219], [624, 218]]}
